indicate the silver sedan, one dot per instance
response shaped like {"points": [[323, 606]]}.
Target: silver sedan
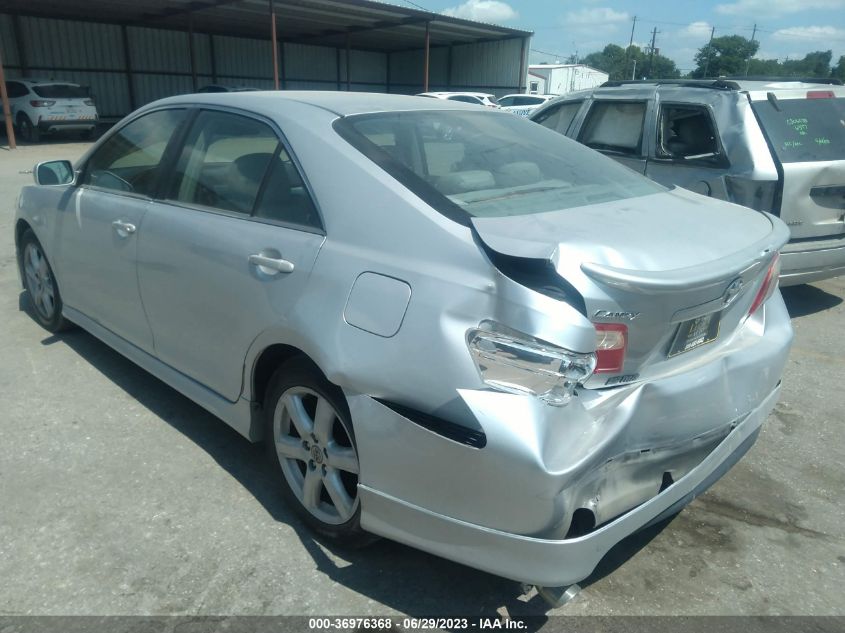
{"points": [[453, 327]]}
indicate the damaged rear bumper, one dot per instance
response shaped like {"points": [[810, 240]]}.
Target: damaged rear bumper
{"points": [[629, 455], [546, 562]]}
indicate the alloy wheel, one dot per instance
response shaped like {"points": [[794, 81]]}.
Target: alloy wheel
{"points": [[39, 281], [317, 455]]}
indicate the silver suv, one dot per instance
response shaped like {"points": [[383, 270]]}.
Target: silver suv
{"points": [[775, 146]]}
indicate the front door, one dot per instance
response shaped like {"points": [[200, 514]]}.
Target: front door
{"points": [[226, 253], [101, 224], [616, 128]]}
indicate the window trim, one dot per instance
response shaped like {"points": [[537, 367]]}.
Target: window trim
{"points": [[640, 152], [164, 165], [719, 161], [282, 143]]}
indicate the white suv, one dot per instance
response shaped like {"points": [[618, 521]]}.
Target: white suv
{"points": [[46, 106]]}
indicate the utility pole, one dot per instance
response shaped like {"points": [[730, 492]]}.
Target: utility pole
{"points": [[709, 52], [748, 61], [630, 44], [634, 72], [651, 54]]}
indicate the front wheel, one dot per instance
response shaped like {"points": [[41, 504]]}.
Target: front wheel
{"points": [[312, 444], [40, 284]]}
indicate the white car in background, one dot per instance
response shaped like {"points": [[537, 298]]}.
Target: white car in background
{"points": [[475, 98], [522, 104], [46, 106]]}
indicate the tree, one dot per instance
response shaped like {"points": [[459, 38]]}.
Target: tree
{"points": [[724, 56], [620, 64], [838, 71], [815, 64]]}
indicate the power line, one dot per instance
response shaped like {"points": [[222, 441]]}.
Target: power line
{"points": [[421, 8]]}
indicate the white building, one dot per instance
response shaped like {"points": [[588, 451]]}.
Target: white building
{"points": [[559, 79]]}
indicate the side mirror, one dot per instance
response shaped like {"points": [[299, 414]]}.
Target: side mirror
{"points": [[54, 172]]}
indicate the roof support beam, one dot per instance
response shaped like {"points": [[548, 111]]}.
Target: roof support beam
{"points": [[376, 26]]}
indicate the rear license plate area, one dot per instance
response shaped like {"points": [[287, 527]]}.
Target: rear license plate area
{"points": [[696, 332]]}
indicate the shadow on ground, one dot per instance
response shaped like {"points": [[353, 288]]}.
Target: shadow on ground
{"points": [[805, 299], [400, 577]]}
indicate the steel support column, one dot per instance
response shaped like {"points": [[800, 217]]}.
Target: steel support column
{"points": [[127, 62], [274, 45], [427, 57], [7, 111], [191, 52], [348, 62]]}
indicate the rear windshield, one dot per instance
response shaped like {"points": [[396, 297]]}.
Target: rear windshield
{"points": [[489, 164], [61, 91], [804, 130]]}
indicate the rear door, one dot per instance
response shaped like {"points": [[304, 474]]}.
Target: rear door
{"points": [[102, 220], [616, 128], [687, 150], [806, 133], [227, 251]]}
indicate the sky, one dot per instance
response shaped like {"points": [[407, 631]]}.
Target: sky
{"points": [[785, 28]]}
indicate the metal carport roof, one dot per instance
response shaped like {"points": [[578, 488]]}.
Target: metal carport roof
{"points": [[370, 25]]}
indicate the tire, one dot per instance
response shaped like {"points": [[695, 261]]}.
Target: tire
{"points": [[29, 132], [87, 135], [311, 444], [40, 284]]}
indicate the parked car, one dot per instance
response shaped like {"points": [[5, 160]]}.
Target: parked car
{"points": [[455, 328], [523, 104], [774, 146], [222, 88], [44, 106], [475, 98]]}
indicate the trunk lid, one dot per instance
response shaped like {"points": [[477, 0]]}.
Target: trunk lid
{"points": [[805, 133], [652, 263]]}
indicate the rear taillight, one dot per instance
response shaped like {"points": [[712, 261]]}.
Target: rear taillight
{"points": [[770, 284], [88, 102], [41, 103], [611, 342], [820, 94]]}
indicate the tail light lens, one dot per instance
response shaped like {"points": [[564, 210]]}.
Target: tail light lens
{"points": [[515, 362], [770, 284], [41, 103], [88, 102], [820, 94], [611, 343]]}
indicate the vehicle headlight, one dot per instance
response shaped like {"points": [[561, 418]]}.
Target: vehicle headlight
{"points": [[514, 362]]}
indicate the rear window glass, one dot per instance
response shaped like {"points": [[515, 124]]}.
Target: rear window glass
{"points": [[489, 164], [61, 91], [804, 130]]}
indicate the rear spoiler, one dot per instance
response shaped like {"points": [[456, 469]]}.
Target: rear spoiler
{"points": [[694, 277]]}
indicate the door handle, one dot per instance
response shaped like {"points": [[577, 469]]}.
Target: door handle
{"points": [[271, 265], [123, 229]]}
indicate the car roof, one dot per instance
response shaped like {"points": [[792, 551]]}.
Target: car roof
{"points": [[751, 84], [30, 81], [339, 103]]}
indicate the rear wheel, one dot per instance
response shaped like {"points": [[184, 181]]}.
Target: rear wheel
{"points": [[312, 444], [40, 284], [29, 132]]}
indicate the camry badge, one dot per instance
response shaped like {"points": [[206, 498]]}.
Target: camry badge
{"points": [[732, 292], [606, 314]]}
